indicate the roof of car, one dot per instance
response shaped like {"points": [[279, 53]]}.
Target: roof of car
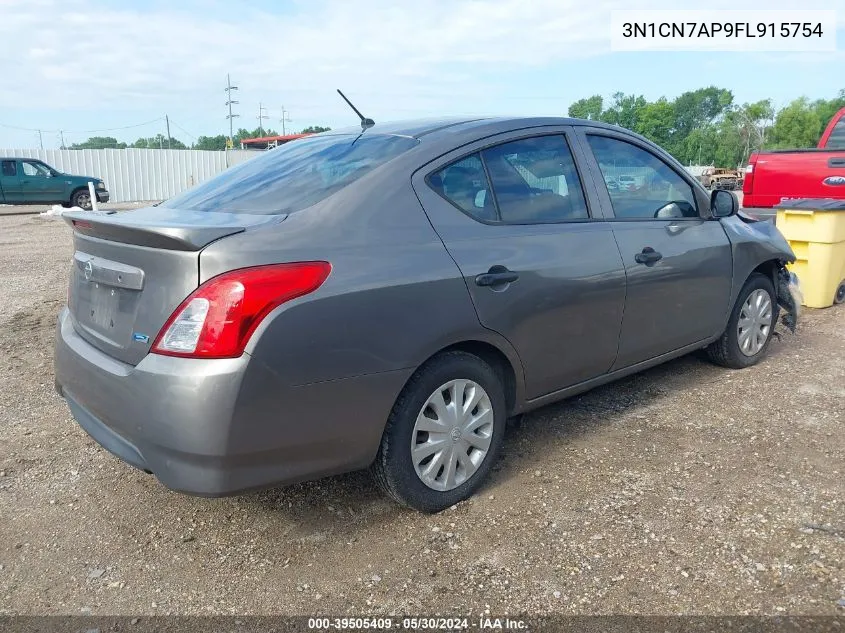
{"points": [[412, 127], [417, 128]]}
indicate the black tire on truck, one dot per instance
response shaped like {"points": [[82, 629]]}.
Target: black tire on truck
{"points": [[81, 198]]}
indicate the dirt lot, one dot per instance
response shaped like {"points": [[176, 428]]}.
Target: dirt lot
{"points": [[688, 489]]}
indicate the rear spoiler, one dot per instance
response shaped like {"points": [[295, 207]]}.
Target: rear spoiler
{"points": [[169, 229]]}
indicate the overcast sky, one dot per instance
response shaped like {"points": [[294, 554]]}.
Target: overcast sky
{"points": [[81, 65]]}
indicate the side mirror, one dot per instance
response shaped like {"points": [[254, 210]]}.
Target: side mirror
{"points": [[723, 203]]}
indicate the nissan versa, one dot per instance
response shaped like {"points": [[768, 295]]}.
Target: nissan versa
{"points": [[389, 297]]}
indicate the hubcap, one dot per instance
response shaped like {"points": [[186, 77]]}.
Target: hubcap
{"points": [[452, 434], [755, 322], [84, 201]]}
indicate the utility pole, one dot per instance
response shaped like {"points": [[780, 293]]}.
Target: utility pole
{"points": [[285, 119], [261, 116], [230, 102], [62, 135], [167, 120], [40, 140]]}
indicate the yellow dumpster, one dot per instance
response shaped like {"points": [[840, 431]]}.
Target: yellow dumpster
{"points": [[815, 229]]}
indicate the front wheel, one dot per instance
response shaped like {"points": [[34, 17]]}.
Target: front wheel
{"points": [[750, 327], [81, 199], [443, 434]]}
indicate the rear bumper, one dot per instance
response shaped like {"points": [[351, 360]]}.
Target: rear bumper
{"points": [[219, 427]]}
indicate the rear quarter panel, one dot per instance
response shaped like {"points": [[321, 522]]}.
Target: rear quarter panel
{"points": [[394, 296]]}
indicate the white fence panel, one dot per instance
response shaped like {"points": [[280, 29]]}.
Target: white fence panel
{"points": [[138, 174]]}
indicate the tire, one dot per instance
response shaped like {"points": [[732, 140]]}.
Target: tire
{"points": [[394, 469], [839, 295], [727, 351], [81, 198]]}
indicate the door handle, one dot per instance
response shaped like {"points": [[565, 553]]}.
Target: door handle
{"points": [[648, 256], [836, 162], [496, 276]]}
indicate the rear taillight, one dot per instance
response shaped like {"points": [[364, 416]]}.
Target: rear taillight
{"points": [[748, 179], [218, 318]]}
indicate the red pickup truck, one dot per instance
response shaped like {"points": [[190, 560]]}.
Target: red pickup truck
{"points": [[775, 175]]}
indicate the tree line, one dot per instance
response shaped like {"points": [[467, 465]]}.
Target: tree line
{"points": [[160, 141], [707, 127]]}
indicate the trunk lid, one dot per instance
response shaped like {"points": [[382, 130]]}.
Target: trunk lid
{"points": [[131, 270]]}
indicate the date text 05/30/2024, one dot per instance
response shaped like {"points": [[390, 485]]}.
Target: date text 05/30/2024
{"points": [[416, 624]]}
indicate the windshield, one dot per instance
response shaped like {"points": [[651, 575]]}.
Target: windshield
{"points": [[293, 176]]}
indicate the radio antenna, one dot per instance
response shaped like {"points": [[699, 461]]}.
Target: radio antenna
{"points": [[365, 122]]}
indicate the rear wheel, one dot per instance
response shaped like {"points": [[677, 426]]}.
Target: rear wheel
{"points": [[444, 433], [81, 199], [750, 327]]}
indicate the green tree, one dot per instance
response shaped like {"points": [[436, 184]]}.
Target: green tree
{"points": [[99, 142], [826, 108], [243, 133], [796, 126], [753, 121], [695, 110], [589, 108], [656, 121], [159, 141], [699, 147], [315, 129], [211, 142], [625, 111]]}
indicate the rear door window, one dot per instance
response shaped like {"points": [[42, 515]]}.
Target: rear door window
{"points": [[534, 181], [8, 168], [293, 176], [464, 183]]}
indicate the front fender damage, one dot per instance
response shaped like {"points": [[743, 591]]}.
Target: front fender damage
{"points": [[789, 297]]}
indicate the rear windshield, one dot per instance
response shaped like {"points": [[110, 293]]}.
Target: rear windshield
{"points": [[293, 176]]}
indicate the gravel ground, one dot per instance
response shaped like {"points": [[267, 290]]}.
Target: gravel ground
{"points": [[686, 489]]}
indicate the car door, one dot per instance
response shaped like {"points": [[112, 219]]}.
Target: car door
{"points": [[36, 182], [56, 186], [10, 182], [540, 263], [677, 259]]}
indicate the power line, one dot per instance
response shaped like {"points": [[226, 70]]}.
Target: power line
{"points": [[285, 119], [110, 129], [183, 129], [261, 116], [230, 102]]}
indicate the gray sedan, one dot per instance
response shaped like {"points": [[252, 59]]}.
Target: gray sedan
{"points": [[389, 297]]}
